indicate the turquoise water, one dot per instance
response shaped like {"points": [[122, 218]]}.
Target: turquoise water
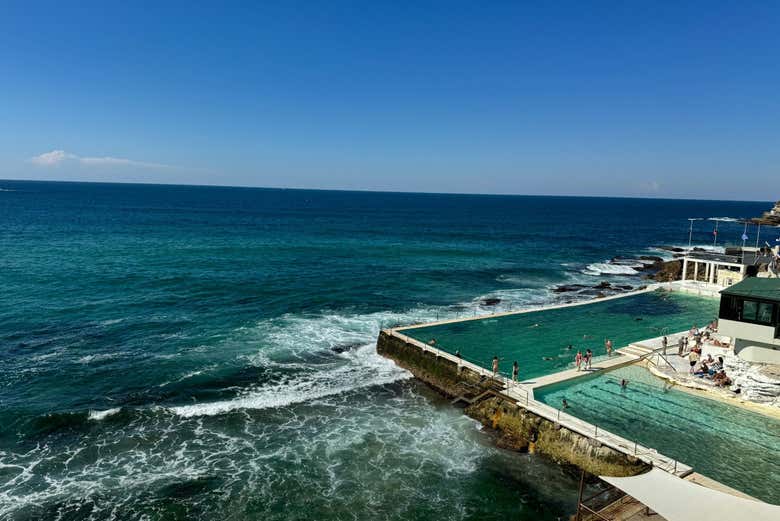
{"points": [[539, 340], [732, 445], [179, 352]]}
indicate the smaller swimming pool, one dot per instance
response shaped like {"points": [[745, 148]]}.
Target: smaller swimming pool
{"points": [[735, 446], [539, 340]]}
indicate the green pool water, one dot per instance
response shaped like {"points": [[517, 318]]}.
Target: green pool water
{"points": [[538, 340], [732, 445]]}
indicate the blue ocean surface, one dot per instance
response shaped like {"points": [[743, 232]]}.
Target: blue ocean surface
{"points": [[180, 352]]}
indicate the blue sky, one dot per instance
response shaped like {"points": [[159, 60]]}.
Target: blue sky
{"points": [[662, 99]]}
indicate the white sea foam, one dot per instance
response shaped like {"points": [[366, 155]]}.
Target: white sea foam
{"points": [[605, 268], [102, 415], [362, 368], [100, 357]]}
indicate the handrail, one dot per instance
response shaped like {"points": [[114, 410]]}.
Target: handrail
{"points": [[661, 355], [593, 512]]}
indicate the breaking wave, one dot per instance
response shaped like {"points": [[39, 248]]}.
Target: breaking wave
{"points": [[102, 415], [605, 268], [363, 368]]}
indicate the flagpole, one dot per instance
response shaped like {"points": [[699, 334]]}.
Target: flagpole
{"points": [[758, 234], [715, 233], [744, 238], [690, 233]]}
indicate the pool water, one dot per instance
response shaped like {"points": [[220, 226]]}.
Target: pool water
{"points": [[538, 340], [732, 445]]}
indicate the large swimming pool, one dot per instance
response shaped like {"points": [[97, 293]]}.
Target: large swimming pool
{"points": [[538, 340], [732, 445]]}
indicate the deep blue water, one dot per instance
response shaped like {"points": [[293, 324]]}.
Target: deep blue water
{"points": [[172, 352]]}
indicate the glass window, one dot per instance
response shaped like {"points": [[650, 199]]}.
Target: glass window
{"points": [[729, 308], [749, 308], [764, 313]]}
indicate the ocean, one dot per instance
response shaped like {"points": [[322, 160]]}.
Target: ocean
{"points": [[182, 352]]}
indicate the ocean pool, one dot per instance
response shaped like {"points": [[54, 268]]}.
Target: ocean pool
{"points": [[538, 340], [735, 446]]}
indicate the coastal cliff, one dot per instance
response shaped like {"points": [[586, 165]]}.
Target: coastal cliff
{"points": [[516, 427]]}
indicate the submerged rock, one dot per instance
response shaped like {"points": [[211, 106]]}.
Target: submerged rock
{"points": [[491, 301], [569, 287]]}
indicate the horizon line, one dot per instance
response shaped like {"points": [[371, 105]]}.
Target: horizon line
{"points": [[368, 190]]}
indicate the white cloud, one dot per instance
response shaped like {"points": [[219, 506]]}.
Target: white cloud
{"points": [[52, 158], [56, 157]]}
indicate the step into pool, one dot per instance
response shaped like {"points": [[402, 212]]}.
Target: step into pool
{"points": [[730, 444], [538, 340]]}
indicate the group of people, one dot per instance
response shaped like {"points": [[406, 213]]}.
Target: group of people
{"points": [[515, 369], [709, 368], [701, 367], [581, 360], [585, 360]]}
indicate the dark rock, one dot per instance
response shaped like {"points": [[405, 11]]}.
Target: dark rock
{"points": [[568, 287], [510, 442], [492, 301], [602, 285], [345, 347], [671, 248], [669, 271]]}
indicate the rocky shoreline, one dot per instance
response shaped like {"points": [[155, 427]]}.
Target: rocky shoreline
{"points": [[770, 218], [643, 267]]}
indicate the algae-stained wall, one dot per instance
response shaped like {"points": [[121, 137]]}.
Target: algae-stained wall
{"points": [[517, 428]]}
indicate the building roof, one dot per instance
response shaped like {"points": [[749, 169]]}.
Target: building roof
{"points": [[756, 287], [680, 500], [747, 258]]}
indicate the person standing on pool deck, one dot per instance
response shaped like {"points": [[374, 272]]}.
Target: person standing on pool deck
{"points": [[588, 358], [693, 358], [608, 346], [664, 343], [680, 346], [515, 371], [495, 366], [578, 359]]}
